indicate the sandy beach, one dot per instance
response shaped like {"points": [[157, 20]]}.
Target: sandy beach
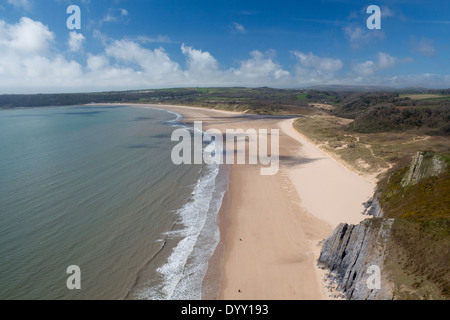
{"points": [[271, 225]]}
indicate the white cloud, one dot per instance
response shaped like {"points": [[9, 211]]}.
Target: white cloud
{"points": [[401, 81], [368, 68], [365, 68], [385, 61], [23, 4], [99, 36], [239, 28], [155, 65], [355, 34], [386, 12], [424, 47], [321, 64], [358, 36], [428, 80], [26, 37], [27, 57], [199, 63], [314, 69], [30, 62], [59, 68], [95, 63], [115, 15], [259, 67], [158, 39], [75, 41]]}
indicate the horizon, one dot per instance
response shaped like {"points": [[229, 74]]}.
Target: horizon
{"points": [[330, 87], [128, 45]]}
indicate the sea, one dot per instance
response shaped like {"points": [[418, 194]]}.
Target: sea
{"points": [[95, 187]]}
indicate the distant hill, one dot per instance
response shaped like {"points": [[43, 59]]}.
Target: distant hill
{"points": [[375, 109], [350, 88]]}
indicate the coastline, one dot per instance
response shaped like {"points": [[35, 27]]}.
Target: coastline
{"points": [[346, 189], [212, 281], [271, 226], [372, 178]]}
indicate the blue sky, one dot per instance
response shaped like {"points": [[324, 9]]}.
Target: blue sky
{"points": [[139, 44]]}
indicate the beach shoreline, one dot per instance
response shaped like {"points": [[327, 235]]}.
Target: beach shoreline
{"points": [[271, 226]]}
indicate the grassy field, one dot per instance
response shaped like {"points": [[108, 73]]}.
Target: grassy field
{"points": [[418, 259], [428, 198], [424, 96], [302, 97]]}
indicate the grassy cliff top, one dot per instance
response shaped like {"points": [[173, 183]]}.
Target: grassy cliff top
{"points": [[418, 196], [418, 191]]}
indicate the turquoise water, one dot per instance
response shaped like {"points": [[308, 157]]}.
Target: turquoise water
{"points": [[95, 187]]}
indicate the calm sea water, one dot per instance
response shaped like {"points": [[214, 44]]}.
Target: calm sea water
{"points": [[95, 187]]}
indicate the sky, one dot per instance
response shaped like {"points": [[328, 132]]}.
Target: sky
{"points": [[150, 44]]}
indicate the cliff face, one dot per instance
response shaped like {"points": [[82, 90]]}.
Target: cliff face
{"points": [[410, 220], [424, 164], [372, 208], [350, 254]]}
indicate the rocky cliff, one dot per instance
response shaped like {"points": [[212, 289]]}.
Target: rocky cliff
{"points": [[424, 165], [372, 208], [353, 253]]}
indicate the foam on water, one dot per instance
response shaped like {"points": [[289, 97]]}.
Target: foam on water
{"points": [[185, 269], [179, 116]]}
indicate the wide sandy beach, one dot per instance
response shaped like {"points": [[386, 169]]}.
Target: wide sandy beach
{"points": [[271, 225]]}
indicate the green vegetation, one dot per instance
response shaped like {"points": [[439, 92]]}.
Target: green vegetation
{"points": [[418, 259], [427, 111], [418, 249], [428, 198], [385, 118], [424, 96], [329, 133], [374, 112], [367, 152], [302, 97], [265, 101]]}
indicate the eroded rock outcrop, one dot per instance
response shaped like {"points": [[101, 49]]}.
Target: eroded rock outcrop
{"points": [[424, 164], [351, 251], [372, 208]]}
